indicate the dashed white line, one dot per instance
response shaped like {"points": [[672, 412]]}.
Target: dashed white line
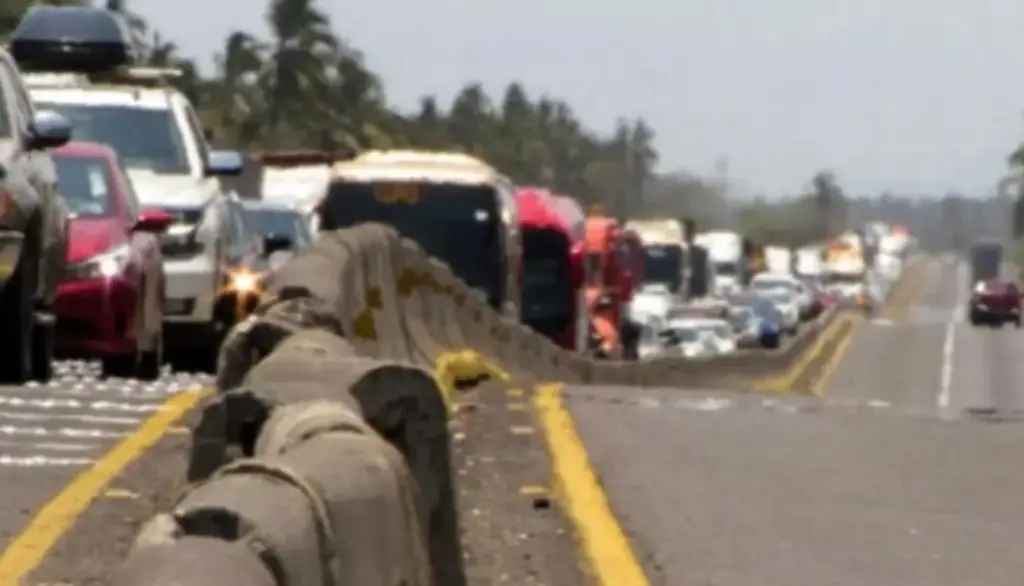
{"points": [[944, 398]]}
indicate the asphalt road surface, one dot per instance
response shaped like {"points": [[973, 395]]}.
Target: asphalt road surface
{"points": [[49, 433], [891, 479]]}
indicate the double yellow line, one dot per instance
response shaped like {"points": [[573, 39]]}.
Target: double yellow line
{"points": [[785, 383]]}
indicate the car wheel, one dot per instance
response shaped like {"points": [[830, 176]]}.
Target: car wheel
{"points": [[151, 362], [17, 319], [44, 343], [120, 365]]}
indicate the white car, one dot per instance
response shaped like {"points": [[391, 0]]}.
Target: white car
{"points": [[164, 148], [719, 330], [769, 282], [652, 300], [689, 340], [788, 306]]}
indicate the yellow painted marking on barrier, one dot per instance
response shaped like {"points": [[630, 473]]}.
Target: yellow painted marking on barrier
{"points": [[514, 393], [58, 516], [178, 430], [606, 548], [516, 407], [120, 493], [522, 430]]}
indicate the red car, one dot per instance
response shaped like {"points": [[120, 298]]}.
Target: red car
{"points": [[995, 302], [110, 304]]}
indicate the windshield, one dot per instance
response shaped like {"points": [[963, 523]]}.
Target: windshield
{"points": [[143, 138], [85, 185], [740, 319], [664, 264], [765, 310], [685, 334], [458, 224], [548, 295], [286, 223], [778, 297], [843, 279], [769, 284], [726, 268]]}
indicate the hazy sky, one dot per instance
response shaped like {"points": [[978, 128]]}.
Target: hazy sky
{"points": [[906, 95]]}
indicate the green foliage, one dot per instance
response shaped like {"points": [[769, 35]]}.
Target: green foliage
{"points": [[307, 87]]}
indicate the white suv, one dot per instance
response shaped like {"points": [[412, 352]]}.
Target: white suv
{"points": [[158, 136]]}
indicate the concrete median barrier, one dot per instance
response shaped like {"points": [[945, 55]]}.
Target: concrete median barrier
{"points": [[324, 457]]}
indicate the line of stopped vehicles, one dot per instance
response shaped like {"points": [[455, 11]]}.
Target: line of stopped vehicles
{"points": [[127, 238]]}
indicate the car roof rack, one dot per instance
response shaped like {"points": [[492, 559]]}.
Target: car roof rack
{"points": [[72, 39], [148, 77]]}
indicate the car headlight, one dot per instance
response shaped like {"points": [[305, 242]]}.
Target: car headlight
{"points": [[102, 266], [245, 281]]}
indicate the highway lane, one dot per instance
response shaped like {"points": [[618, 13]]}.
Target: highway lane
{"points": [[935, 361], [902, 362], [889, 479], [50, 433], [734, 490]]}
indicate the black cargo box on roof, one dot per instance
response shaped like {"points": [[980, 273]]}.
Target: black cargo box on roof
{"points": [[71, 39]]}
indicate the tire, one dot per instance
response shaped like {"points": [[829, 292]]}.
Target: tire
{"points": [[151, 362], [17, 322], [119, 365], [44, 344]]}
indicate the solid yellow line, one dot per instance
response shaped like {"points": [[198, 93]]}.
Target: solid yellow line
{"points": [[784, 382], [58, 516], [818, 388], [604, 543]]}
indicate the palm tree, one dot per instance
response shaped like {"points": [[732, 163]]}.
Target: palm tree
{"points": [[297, 74]]}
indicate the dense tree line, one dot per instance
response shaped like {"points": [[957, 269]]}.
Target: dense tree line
{"points": [[307, 87]]}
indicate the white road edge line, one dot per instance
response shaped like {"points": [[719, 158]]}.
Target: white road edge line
{"points": [[944, 398]]}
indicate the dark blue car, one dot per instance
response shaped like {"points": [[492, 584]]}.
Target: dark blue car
{"points": [[768, 316]]}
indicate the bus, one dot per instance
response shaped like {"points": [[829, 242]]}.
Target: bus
{"points": [[459, 209]]}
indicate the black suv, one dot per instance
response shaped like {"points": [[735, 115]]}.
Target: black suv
{"points": [[33, 230]]}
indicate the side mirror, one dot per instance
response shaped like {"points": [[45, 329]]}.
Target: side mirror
{"points": [[48, 130], [225, 164], [153, 221], [276, 243]]}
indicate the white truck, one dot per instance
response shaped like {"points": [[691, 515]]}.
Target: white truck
{"points": [[725, 251], [810, 261], [664, 242], [297, 179], [161, 142], [845, 269], [778, 260]]}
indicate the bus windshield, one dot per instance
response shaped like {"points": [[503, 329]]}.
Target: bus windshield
{"points": [[548, 296], [458, 224], [664, 264]]}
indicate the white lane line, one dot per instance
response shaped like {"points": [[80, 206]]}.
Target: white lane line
{"points": [[90, 419], [944, 398], [50, 446], [8, 460], [53, 403]]}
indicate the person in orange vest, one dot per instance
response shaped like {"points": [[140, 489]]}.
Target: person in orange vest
{"points": [[604, 322]]}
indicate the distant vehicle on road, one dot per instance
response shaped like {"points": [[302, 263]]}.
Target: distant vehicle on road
{"points": [[111, 302], [995, 302], [986, 259], [283, 227]]}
